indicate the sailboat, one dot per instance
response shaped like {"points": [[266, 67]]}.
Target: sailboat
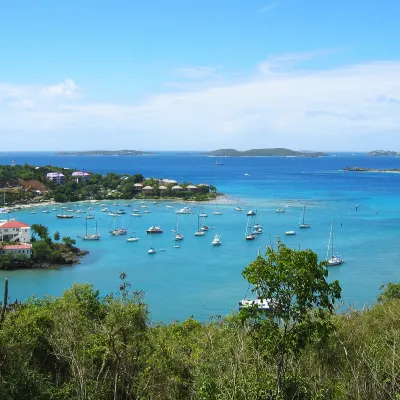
{"points": [[177, 236], [199, 232], [118, 232], [93, 236], [247, 235], [238, 208], [132, 239], [302, 224], [217, 212], [219, 162], [335, 259]]}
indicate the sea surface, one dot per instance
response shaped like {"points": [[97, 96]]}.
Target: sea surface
{"points": [[201, 280]]}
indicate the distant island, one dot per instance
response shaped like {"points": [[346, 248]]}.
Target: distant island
{"points": [[278, 152], [383, 153], [103, 153], [359, 169]]}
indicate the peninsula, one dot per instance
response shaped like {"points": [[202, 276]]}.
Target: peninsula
{"points": [[359, 169], [103, 153], [26, 184], [383, 153], [276, 152]]}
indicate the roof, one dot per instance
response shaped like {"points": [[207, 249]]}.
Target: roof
{"points": [[54, 174], [17, 247], [148, 187], [176, 187], [169, 181], [13, 224], [80, 173], [162, 187], [191, 187], [138, 185]]}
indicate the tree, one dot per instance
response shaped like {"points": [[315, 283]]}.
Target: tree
{"points": [[56, 236], [41, 231], [41, 251], [301, 301], [389, 292], [68, 241]]}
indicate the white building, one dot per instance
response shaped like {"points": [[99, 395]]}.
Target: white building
{"points": [[56, 177], [80, 177], [15, 231], [17, 249]]}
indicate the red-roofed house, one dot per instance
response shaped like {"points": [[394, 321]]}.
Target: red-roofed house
{"points": [[15, 249], [15, 231]]}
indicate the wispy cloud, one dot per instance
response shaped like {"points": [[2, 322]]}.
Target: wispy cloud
{"points": [[352, 107], [269, 7], [284, 62]]}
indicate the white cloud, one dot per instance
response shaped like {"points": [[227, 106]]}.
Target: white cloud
{"points": [[67, 88], [349, 108]]}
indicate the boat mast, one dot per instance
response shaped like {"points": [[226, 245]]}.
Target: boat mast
{"points": [[332, 238]]}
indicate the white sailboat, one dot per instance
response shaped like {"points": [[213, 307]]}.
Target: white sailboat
{"points": [[93, 236], [238, 208], [199, 232], [248, 235], [219, 161], [302, 224], [217, 211], [132, 238], [177, 236], [334, 259], [119, 231]]}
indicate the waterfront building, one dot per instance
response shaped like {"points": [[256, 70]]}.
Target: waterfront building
{"points": [[176, 188], [147, 189], [17, 249], [56, 177], [15, 231], [80, 177]]}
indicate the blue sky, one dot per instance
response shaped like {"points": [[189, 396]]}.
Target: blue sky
{"points": [[203, 74]]}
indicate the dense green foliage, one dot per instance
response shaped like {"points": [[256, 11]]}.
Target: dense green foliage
{"points": [[82, 346], [301, 303], [109, 186]]}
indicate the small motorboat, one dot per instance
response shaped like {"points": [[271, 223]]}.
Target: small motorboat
{"points": [[151, 250], [251, 212], [203, 215], [217, 240], [290, 233], [261, 304], [132, 239]]}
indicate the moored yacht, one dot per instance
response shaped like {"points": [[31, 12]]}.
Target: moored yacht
{"points": [[184, 210], [217, 240], [154, 229]]}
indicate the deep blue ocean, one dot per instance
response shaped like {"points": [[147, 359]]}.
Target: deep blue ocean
{"points": [[199, 279]]}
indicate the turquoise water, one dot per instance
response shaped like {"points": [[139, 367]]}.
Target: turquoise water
{"points": [[199, 279]]}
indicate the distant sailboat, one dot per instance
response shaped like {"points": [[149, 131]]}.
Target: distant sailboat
{"points": [[248, 235], [219, 161], [93, 236], [335, 259], [177, 236], [302, 224], [199, 232], [238, 208]]}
